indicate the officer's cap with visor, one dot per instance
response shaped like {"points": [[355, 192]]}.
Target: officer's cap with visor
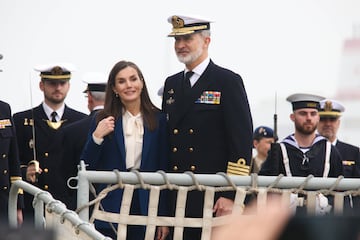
{"points": [[96, 81], [184, 25], [330, 109], [55, 72], [304, 100]]}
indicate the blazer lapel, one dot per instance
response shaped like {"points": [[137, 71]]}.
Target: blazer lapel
{"points": [[119, 137], [146, 145]]}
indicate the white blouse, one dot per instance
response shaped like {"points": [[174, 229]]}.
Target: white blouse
{"points": [[133, 128]]}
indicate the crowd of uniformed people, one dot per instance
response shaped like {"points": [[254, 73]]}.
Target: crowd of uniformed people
{"points": [[204, 126]]}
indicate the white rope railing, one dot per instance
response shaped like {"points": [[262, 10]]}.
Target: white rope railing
{"points": [[54, 208], [310, 188]]}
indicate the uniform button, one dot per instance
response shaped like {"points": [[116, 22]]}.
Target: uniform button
{"points": [[175, 131], [192, 168], [191, 149], [5, 172], [175, 168], [5, 188], [46, 170], [191, 131], [174, 149], [4, 155], [46, 187], [46, 154]]}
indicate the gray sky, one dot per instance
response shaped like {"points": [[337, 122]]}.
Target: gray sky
{"points": [[278, 46]]}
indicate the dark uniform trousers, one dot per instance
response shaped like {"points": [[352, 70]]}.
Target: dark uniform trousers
{"points": [[48, 149], [210, 129]]}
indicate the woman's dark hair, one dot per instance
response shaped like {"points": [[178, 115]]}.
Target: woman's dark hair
{"points": [[113, 105]]}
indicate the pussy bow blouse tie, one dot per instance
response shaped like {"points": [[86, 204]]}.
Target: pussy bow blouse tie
{"points": [[134, 131]]}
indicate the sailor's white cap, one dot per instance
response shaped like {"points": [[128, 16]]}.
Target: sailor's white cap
{"points": [[304, 100]]}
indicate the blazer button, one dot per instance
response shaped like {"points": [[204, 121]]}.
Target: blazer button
{"points": [[192, 168], [174, 149], [191, 131], [175, 168], [46, 187], [4, 155], [5, 172], [46, 170], [46, 154], [5, 188], [191, 149], [175, 131]]}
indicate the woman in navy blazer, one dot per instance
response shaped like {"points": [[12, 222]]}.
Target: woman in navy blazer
{"points": [[129, 133]]}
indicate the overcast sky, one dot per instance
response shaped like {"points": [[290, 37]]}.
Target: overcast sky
{"points": [[278, 47]]}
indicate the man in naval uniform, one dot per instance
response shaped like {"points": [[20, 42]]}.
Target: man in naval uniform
{"points": [[39, 133], [330, 113], [210, 123], [9, 163], [75, 134], [304, 152]]}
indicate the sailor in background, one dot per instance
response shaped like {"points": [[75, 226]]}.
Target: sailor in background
{"points": [[262, 139], [75, 134], [39, 133], [210, 123], [304, 152]]}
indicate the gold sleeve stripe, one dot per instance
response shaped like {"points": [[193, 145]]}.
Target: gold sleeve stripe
{"points": [[14, 178], [238, 168], [348, 162]]}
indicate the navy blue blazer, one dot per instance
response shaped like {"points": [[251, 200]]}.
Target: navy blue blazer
{"points": [[110, 155]]}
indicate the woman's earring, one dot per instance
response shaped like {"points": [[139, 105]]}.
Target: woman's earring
{"points": [[116, 95]]}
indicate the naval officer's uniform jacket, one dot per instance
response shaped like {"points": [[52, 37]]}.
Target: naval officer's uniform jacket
{"points": [[350, 156], [210, 128], [9, 163], [74, 138], [48, 145]]}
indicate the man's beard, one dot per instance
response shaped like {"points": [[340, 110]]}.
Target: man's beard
{"points": [[190, 57], [55, 100], [306, 130]]}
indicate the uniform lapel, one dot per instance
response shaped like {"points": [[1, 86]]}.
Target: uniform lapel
{"points": [[40, 119], [202, 84]]}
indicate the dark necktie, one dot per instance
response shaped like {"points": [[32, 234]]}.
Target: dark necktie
{"points": [[53, 116], [187, 83]]}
